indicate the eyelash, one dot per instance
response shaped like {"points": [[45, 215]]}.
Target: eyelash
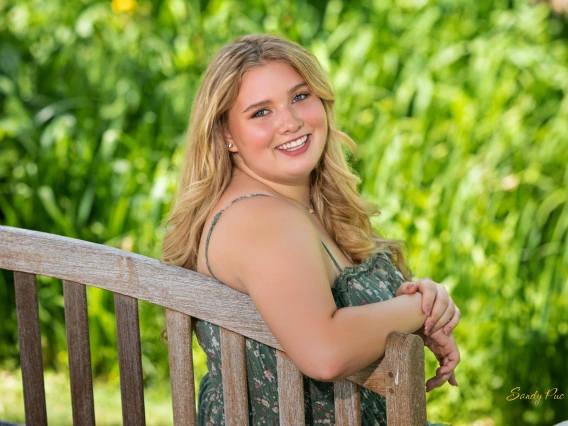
{"points": [[260, 110]]}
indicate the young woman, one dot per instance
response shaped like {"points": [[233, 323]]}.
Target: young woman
{"points": [[267, 204]]}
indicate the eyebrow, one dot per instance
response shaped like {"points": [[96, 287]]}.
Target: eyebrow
{"points": [[267, 101]]}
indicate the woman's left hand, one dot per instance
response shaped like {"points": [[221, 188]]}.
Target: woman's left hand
{"points": [[443, 313], [447, 352]]}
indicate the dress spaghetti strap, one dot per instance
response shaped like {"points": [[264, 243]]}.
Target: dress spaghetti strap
{"points": [[216, 219], [332, 258]]}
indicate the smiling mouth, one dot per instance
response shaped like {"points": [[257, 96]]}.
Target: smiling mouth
{"points": [[298, 143]]}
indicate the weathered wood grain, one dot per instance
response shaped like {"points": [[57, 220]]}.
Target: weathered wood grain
{"points": [[234, 372], [371, 377], [290, 391], [129, 360], [347, 403], [181, 368], [405, 378], [30, 348], [77, 327], [148, 279], [133, 275]]}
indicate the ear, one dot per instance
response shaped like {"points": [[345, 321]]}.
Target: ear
{"points": [[228, 138]]}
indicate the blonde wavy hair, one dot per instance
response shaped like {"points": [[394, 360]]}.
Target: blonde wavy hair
{"points": [[208, 165]]}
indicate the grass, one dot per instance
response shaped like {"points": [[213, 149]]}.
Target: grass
{"points": [[108, 406], [58, 397]]}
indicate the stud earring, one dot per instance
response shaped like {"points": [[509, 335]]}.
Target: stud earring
{"points": [[230, 145]]}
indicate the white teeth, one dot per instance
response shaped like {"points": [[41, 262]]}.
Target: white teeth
{"points": [[293, 144]]}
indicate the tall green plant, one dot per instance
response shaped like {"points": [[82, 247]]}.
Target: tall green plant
{"points": [[459, 109]]}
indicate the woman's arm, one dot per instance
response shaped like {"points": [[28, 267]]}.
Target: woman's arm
{"points": [[362, 331], [276, 254]]}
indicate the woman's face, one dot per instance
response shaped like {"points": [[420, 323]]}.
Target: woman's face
{"points": [[276, 106]]}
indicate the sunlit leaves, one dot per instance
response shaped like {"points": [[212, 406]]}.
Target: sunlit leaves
{"points": [[459, 107]]}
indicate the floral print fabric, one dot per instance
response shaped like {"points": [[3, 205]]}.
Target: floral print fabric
{"points": [[374, 280]]}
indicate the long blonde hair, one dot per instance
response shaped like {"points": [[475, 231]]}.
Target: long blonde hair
{"points": [[208, 165]]}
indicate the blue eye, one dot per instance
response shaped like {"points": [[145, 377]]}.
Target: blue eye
{"points": [[255, 115]]}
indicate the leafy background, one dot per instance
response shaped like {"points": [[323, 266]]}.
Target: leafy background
{"points": [[460, 111]]}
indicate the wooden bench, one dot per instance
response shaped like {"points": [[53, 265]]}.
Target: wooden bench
{"points": [[186, 295]]}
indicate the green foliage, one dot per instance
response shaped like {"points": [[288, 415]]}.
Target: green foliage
{"points": [[157, 400], [461, 116]]}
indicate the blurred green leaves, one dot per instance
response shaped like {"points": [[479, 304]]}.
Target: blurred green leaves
{"points": [[460, 110]]}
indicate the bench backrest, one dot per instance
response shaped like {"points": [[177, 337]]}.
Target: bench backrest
{"points": [[399, 375]]}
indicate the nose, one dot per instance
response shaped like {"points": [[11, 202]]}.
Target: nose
{"points": [[290, 121]]}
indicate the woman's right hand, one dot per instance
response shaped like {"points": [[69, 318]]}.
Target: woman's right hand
{"points": [[436, 303], [446, 351]]}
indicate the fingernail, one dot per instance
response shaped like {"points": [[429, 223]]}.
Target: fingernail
{"points": [[447, 331], [428, 310], [428, 327]]}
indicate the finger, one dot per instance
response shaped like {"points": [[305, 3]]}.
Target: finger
{"points": [[446, 317], [437, 381], [452, 381], [439, 336], [441, 377], [436, 341], [449, 364], [407, 287], [440, 306], [448, 358], [429, 291], [440, 359], [446, 369], [452, 324]]}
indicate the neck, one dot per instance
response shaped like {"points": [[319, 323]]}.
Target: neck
{"points": [[299, 192]]}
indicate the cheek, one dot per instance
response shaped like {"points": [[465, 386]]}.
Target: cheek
{"points": [[261, 136], [315, 114], [256, 135]]}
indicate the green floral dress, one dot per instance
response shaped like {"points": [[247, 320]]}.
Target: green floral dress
{"points": [[372, 281]]}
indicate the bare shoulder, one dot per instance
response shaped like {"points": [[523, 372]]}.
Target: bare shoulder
{"points": [[249, 222], [277, 256], [261, 230]]}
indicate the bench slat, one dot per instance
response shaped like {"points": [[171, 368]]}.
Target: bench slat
{"points": [[133, 275], [142, 277], [234, 372], [129, 359], [77, 327], [399, 375], [181, 368], [347, 403], [405, 378], [30, 348], [290, 391]]}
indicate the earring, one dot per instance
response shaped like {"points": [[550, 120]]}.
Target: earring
{"points": [[230, 145]]}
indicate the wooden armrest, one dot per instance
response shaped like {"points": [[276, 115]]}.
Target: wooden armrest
{"points": [[403, 361], [398, 375]]}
